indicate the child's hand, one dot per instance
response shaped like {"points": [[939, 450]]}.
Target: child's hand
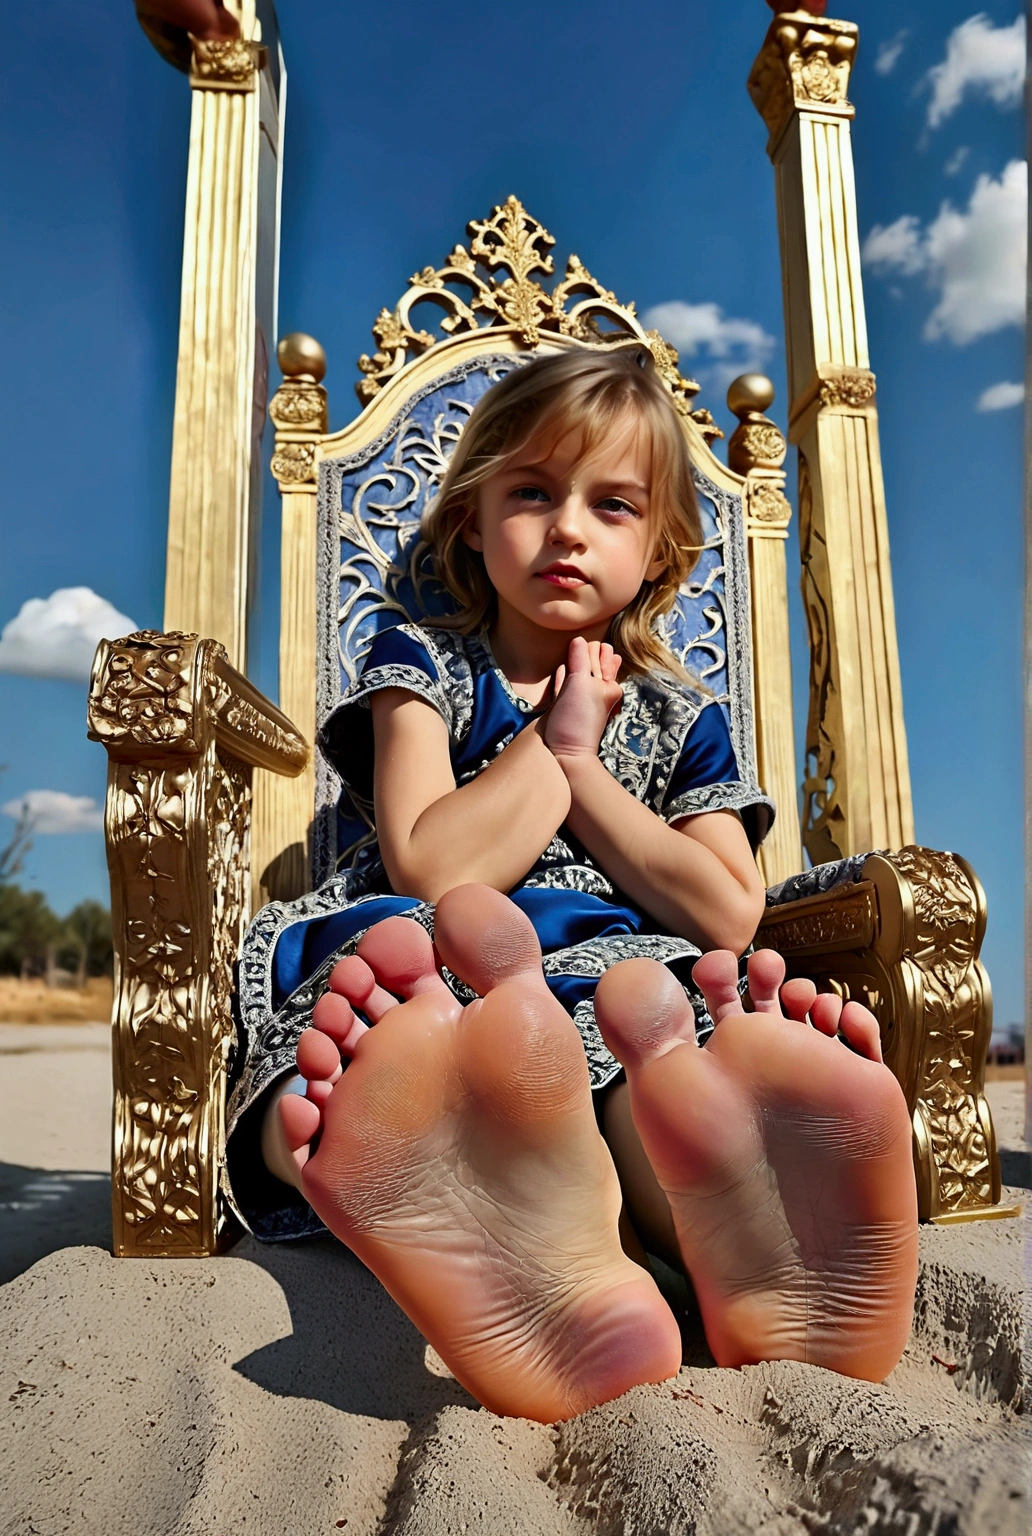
{"points": [[586, 694]]}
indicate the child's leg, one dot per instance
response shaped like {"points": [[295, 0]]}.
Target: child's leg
{"points": [[785, 1159]]}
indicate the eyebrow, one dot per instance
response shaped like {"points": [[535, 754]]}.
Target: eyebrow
{"points": [[615, 485]]}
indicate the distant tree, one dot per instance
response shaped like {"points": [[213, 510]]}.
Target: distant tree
{"points": [[86, 939], [28, 929], [12, 853]]}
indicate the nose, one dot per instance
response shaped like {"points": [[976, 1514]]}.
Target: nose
{"points": [[567, 526]]}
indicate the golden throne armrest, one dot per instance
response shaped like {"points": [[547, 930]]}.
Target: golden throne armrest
{"points": [[183, 731], [905, 940]]}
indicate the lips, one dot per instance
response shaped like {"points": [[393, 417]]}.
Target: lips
{"points": [[562, 575]]}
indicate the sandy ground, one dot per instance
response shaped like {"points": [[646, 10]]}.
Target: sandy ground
{"points": [[279, 1388]]}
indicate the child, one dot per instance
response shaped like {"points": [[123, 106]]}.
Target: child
{"points": [[459, 1155]]}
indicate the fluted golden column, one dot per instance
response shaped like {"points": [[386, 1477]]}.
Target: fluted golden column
{"points": [[856, 792], [757, 451], [283, 808], [227, 319]]}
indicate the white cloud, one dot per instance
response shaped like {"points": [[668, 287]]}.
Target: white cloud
{"points": [[723, 346], [888, 53], [956, 160], [1000, 397], [56, 636], [896, 247], [979, 57], [51, 810], [976, 259]]}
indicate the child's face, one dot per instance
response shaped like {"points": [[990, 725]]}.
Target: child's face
{"points": [[567, 542]]}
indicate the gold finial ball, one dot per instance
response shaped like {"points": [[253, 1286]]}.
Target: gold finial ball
{"points": [[301, 356], [750, 392]]}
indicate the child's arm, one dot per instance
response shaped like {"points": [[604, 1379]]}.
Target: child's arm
{"points": [[433, 836], [698, 878]]}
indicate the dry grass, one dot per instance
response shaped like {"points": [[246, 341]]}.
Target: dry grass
{"points": [[1012, 1072], [33, 1002]]}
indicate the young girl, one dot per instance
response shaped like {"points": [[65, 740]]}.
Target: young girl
{"points": [[459, 1155]]}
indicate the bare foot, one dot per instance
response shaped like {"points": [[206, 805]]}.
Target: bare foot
{"points": [[458, 1156], [785, 1157]]}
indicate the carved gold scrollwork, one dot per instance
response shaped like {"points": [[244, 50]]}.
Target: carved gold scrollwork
{"points": [[756, 444], [299, 406], [823, 818], [852, 387], [294, 463], [768, 505], [141, 693], [226, 64], [804, 62], [512, 241], [182, 730]]}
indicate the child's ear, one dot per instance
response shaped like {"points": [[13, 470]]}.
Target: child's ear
{"points": [[655, 569], [471, 531]]}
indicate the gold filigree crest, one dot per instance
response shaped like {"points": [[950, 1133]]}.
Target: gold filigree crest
{"points": [[499, 273]]}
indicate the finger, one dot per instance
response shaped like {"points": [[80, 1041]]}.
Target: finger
{"points": [[593, 658], [860, 1028], [609, 662], [797, 997], [716, 976], [825, 1013], [577, 659], [766, 973], [560, 678]]}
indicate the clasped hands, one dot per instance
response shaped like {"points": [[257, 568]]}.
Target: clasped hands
{"points": [[586, 693]]}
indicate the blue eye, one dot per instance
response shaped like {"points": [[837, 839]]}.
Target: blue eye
{"points": [[614, 504], [530, 493]]}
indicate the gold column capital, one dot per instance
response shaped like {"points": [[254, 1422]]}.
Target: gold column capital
{"points": [[804, 64], [225, 64]]}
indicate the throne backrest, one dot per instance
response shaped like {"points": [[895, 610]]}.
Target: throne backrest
{"points": [[378, 477]]}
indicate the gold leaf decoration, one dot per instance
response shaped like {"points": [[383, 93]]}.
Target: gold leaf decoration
{"points": [[508, 252]]}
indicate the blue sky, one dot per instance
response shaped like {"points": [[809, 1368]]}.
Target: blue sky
{"points": [[628, 132]]}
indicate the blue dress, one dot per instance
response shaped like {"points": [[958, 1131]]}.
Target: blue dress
{"points": [[669, 746]]}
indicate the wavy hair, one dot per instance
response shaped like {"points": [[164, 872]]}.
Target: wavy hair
{"points": [[590, 394]]}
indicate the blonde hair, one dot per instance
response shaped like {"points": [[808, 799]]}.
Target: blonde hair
{"points": [[585, 393]]}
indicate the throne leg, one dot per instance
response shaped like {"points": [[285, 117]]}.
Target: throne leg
{"points": [[183, 731]]}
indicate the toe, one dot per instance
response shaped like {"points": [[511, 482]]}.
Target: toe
{"points": [[766, 973], [825, 1012], [797, 998], [642, 1011], [485, 939], [354, 980], [318, 1057], [716, 975], [400, 956], [860, 1027], [300, 1119], [335, 1017]]}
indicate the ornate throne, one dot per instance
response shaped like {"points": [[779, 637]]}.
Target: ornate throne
{"points": [[216, 804]]}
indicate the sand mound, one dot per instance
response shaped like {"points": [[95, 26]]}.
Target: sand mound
{"points": [[279, 1388]]}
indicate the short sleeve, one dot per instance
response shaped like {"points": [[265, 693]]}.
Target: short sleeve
{"points": [[398, 659], [707, 777]]}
